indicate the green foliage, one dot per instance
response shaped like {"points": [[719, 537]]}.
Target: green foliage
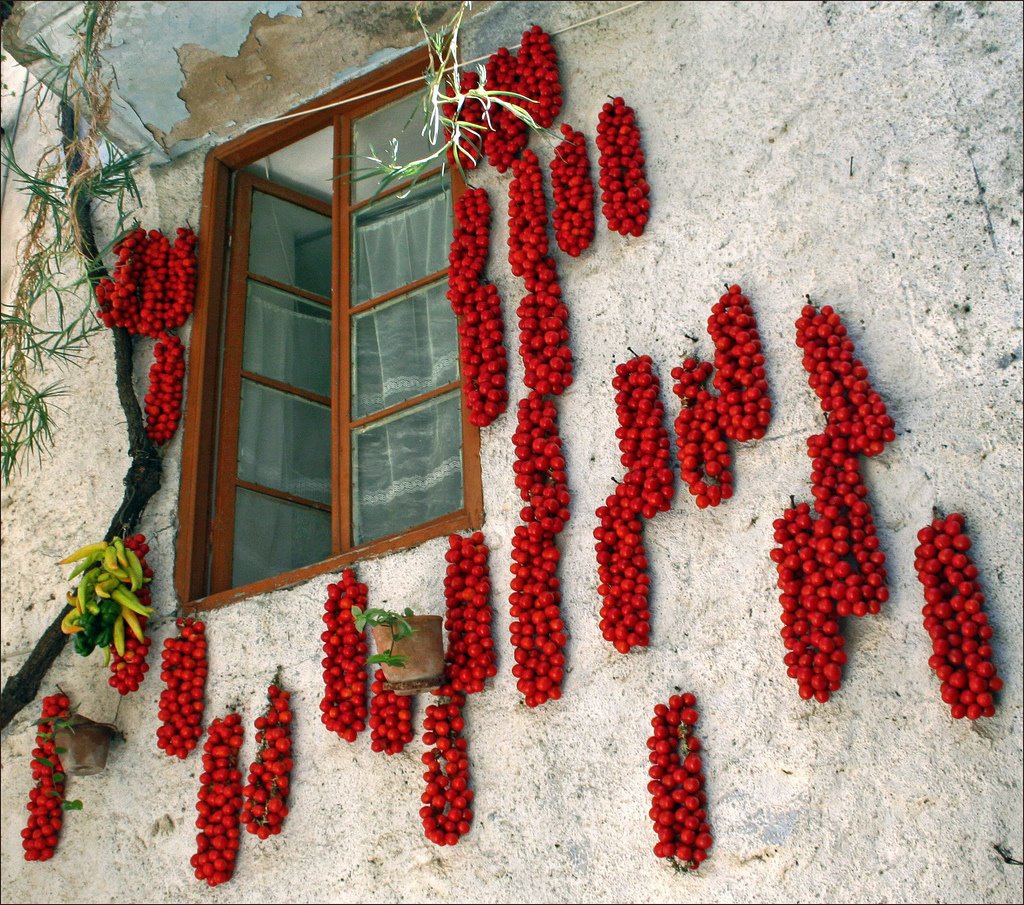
{"points": [[399, 625], [49, 318]]}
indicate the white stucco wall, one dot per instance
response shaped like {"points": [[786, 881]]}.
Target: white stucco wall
{"points": [[750, 114]]}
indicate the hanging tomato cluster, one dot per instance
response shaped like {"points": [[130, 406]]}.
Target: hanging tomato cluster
{"points": [[855, 410], [154, 282], [646, 490], [830, 563], [265, 796], [537, 629], [468, 614], [678, 800], [478, 306], [390, 717], [344, 708], [543, 316], [741, 411], [184, 677], [508, 134], [166, 380], [447, 800], [955, 619], [152, 293], [532, 73], [573, 193], [45, 805], [623, 173], [219, 803], [128, 671]]}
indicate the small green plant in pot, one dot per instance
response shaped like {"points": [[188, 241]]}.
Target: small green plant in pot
{"points": [[410, 648]]}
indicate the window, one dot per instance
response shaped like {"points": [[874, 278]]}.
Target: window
{"points": [[325, 420]]}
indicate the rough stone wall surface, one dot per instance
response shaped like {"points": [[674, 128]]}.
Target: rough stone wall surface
{"points": [[866, 155]]}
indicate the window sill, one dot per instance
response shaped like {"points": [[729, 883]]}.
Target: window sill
{"points": [[441, 527]]}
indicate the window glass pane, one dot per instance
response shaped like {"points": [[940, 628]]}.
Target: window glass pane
{"points": [[273, 536], [290, 244], [407, 469], [398, 240], [306, 166], [403, 348], [287, 338], [284, 442], [374, 135]]}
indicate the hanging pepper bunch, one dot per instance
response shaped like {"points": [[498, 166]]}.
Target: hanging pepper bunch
{"points": [[646, 489], [343, 708], [105, 606], [468, 615], [478, 306], [46, 804], [265, 795], [166, 381], [127, 670]]}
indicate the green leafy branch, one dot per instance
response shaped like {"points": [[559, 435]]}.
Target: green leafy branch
{"points": [[400, 629], [50, 315], [463, 139]]}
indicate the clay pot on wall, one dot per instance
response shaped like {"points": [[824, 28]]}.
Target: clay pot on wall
{"points": [[85, 745], [424, 653]]}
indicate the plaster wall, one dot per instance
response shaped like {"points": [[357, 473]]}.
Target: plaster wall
{"points": [[866, 155]]}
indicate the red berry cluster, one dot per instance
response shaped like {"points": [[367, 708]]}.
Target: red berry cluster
{"points": [[855, 411], [220, 802], [265, 797], [830, 563], [543, 317], [448, 799], [744, 406], [153, 286], [390, 717], [573, 192], [810, 627], [467, 591], [537, 629], [343, 709], [538, 77], [955, 619], [478, 307], [705, 464], [467, 151], [127, 672], [46, 799], [508, 134], [166, 378], [742, 409], [181, 701], [678, 800], [646, 490], [623, 176], [532, 73]]}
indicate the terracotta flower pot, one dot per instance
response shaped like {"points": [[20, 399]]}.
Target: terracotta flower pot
{"points": [[424, 650], [85, 743]]}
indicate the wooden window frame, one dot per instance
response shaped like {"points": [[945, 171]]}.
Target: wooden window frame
{"points": [[193, 561]]}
